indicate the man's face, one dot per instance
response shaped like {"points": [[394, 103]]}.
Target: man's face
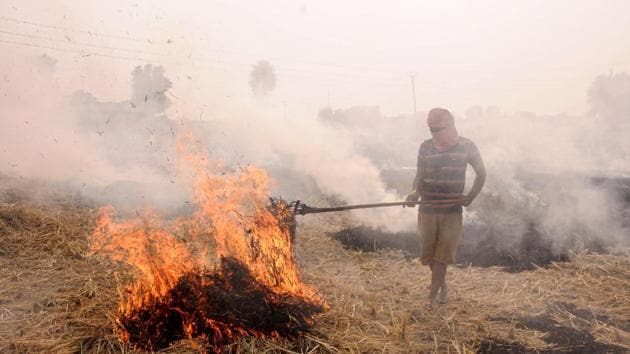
{"points": [[436, 129], [440, 123]]}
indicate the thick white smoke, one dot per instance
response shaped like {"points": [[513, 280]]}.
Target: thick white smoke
{"points": [[123, 151], [560, 176]]}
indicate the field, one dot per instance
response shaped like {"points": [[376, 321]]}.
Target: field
{"points": [[54, 297]]}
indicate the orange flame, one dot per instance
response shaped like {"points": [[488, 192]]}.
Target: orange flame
{"points": [[157, 256], [232, 216], [246, 230]]}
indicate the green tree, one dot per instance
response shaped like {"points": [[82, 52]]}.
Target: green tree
{"points": [[262, 78]]}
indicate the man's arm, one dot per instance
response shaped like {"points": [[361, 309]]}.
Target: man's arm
{"points": [[417, 182], [480, 176]]}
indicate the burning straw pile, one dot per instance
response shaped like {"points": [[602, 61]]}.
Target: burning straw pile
{"points": [[218, 306], [254, 290]]}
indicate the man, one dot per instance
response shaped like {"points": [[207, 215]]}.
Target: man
{"points": [[439, 182]]}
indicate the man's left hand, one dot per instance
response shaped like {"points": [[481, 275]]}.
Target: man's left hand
{"points": [[466, 200]]}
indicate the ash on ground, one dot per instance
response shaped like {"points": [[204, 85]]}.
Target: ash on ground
{"points": [[478, 247], [219, 306]]}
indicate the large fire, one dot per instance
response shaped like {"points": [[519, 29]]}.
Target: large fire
{"points": [[222, 273]]}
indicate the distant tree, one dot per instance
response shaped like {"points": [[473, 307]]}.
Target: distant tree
{"points": [[609, 97], [326, 114], [262, 78], [148, 88]]}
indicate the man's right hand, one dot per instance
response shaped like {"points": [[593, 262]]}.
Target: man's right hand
{"points": [[465, 200], [411, 199]]}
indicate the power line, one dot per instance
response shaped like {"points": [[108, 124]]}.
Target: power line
{"points": [[145, 53], [151, 42], [148, 60], [85, 53], [140, 58], [72, 42], [252, 55], [197, 60], [60, 28], [213, 63]]}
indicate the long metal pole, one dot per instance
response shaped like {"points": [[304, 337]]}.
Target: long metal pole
{"points": [[313, 210], [305, 209]]}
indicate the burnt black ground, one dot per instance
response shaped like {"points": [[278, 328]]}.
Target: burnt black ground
{"points": [[499, 346], [482, 246], [479, 246], [589, 315], [563, 339], [221, 306]]}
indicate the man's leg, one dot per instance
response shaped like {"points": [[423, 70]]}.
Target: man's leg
{"points": [[444, 288], [428, 231], [438, 274], [450, 226]]}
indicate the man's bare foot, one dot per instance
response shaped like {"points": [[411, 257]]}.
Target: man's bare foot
{"points": [[431, 304]]}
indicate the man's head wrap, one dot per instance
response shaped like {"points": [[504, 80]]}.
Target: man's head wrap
{"points": [[442, 126]]}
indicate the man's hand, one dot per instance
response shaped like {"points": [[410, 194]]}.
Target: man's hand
{"points": [[411, 199], [466, 200]]}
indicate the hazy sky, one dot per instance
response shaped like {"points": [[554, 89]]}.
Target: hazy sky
{"points": [[539, 56]]}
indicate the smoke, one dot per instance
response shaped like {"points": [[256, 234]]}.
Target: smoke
{"points": [[541, 169], [140, 133], [124, 152], [562, 177], [566, 176], [37, 132]]}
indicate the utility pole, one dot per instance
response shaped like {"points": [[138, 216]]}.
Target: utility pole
{"points": [[328, 100], [413, 92]]}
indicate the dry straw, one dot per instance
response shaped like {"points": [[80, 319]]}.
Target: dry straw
{"points": [[55, 298]]}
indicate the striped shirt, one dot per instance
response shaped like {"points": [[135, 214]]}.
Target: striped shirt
{"points": [[441, 175]]}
